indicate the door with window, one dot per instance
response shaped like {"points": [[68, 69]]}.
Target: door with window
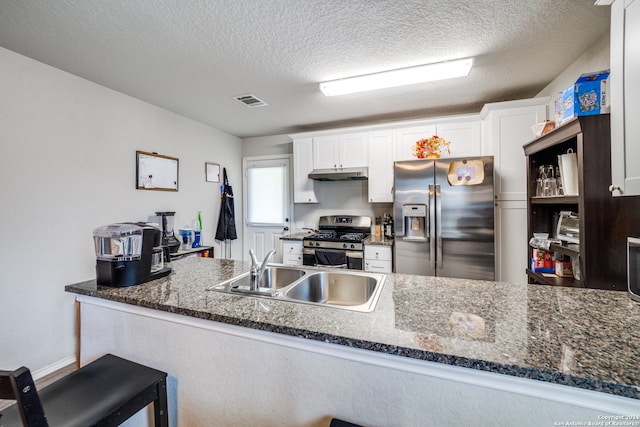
{"points": [[267, 206]]}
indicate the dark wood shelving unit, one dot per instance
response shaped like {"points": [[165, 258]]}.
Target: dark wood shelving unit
{"points": [[558, 200], [605, 221], [569, 249], [554, 280]]}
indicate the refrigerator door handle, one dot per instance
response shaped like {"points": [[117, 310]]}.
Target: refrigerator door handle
{"points": [[431, 225], [438, 221]]}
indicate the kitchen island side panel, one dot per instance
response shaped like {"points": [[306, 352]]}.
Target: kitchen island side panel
{"points": [[229, 375]]}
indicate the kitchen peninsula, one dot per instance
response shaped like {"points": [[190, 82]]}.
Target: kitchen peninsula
{"points": [[435, 351]]}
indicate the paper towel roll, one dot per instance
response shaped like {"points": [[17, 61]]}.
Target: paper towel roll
{"points": [[569, 172]]}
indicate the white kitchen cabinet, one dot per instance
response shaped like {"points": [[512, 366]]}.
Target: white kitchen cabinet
{"points": [[511, 241], [385, 146], [341, 151], [381, 166], [464, 137], [625, 97], [506, 128], [405, 139], [377, 258], [292, 252], [326, 152], [303, 187]]}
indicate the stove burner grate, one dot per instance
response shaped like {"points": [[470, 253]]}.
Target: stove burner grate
{"points": [[324, 235], [353, 236]]}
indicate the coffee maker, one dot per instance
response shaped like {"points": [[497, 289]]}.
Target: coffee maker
{"points": [[168, 237], [128, 254]]}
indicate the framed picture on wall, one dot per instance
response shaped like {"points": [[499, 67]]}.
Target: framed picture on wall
{"points": [[212, 172]]}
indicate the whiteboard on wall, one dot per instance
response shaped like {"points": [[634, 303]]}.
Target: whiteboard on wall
{"points": [[156, 172]]}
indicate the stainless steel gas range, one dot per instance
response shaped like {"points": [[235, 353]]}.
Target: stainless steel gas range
{"points": [[339, 242]]}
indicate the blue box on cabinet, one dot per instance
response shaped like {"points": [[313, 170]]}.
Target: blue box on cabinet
{"points": [[588, 96]]}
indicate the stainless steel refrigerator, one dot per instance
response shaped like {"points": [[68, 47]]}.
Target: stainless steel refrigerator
{"points": [[444, 217]]}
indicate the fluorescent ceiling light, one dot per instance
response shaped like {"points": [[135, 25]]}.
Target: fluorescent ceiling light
{"points": [[400, 77]]}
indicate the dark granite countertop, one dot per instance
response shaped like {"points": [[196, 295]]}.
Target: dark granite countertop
{"points": [[578, 337], [378, 241], [296, 236]]}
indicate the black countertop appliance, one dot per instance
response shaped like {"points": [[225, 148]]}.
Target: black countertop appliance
{"points": [[169, 239], [128, 254]]}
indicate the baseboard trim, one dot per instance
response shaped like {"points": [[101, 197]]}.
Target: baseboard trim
{"points": [[55, 366]]}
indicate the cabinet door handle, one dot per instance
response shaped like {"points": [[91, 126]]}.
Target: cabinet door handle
{"points": [[613, 188]]}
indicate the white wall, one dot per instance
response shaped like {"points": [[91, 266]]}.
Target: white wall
{"points": [[67, 165], [266, 145], [596, 58], [339, 197]]}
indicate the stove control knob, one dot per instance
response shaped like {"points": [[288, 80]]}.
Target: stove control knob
{"points": [[344, 246], [317, 243], [353, 246]]}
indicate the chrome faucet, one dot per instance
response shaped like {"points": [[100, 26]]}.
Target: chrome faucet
{"points": [[258, 269]]}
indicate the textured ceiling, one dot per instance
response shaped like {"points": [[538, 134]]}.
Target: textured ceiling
{"points": [[193, 56]]}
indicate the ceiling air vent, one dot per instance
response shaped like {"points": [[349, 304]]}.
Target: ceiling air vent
{"points": [[250, 100]]}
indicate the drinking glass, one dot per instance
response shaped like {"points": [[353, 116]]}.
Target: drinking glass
{"points": [[559, 190], [549, 187], [539, 187]]}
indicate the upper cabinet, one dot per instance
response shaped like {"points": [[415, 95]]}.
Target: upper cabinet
{"points": [[625, 98], [506, 128], [381, 166], [303, 188], [378, 146], [341, 151], [387, 146], [405, 139], [463, 135]]}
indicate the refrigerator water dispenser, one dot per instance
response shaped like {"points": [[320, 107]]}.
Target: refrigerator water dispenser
{"points": [[415, 222]]}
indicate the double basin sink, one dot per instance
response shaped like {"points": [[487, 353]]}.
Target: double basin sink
{"points": [[349, 290]]}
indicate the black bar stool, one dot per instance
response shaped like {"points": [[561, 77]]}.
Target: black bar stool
{"points": [[340, 423], [105, 393]]}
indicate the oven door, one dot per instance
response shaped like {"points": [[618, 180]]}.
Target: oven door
{"points": [[334, 258], [308, 256], [354, 260]]}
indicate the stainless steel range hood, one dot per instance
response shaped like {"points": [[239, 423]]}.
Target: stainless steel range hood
{"points": [[343, 174]]}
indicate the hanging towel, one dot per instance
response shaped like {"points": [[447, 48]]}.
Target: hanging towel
{"points": [[227, 220], [330, 257]]}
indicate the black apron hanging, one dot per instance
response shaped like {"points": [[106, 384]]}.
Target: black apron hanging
{"points": [[227, 220]]}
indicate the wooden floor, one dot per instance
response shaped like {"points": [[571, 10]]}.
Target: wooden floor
{"points": [[45, 381]]}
